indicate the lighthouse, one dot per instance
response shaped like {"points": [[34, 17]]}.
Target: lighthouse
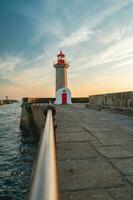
{"points": [[63, 94]]}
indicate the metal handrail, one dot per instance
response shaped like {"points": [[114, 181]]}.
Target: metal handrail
{"points": [[44, 183]]}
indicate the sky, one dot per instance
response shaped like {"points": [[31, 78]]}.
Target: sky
{"points": [[95, 35]]}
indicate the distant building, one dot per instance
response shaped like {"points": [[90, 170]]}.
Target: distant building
{"points": [[63, 94], [1, 102]]}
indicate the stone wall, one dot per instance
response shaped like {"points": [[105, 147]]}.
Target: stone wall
{"points": [[37, 100], [32, 118], [47, 100], [80, 100], [122, 99], [121, 102]]}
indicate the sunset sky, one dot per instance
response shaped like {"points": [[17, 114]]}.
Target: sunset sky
{"points": [[96, 36]]}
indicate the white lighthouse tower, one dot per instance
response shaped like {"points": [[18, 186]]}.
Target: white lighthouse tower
{"points": [[63, 94]]}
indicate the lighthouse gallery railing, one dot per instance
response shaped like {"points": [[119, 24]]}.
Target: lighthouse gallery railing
{"points": [[45, 184]]}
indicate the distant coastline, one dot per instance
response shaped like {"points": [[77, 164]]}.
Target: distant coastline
{"points": [[9, 101]]}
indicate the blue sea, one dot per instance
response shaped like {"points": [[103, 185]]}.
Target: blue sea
{"points": [[17, 154]]}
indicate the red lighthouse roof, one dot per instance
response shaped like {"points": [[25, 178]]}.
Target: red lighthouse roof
{"points": [[61, 61], [61, 54]]}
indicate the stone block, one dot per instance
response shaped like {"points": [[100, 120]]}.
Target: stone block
{"points": [[130, 103], [124, 165], [81, 136], [130, 179], [75, 151], [85, 174], [96, 194], [120, 151], [120, 193], [109, 101]]}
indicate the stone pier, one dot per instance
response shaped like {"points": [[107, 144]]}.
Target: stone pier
{"points": [[32, 117], [94, 149], [95, 154]]}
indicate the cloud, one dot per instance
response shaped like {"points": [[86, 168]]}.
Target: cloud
{"points": [[40, 57], [114, 54], [81, 35], [8, 63], [54, 22], [125, 63], [96, 42], [4, 81], [105, 10], [111, 37], [102, 78]]}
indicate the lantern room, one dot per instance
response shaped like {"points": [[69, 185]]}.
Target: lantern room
{"points": [[61, 60]]}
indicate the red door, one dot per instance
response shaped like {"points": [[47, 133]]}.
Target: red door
{"points": [[64, 98]]}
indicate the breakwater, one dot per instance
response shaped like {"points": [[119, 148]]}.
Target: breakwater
{"points": [[89, 131], [121, 102], [3, 102], [32, 116]]}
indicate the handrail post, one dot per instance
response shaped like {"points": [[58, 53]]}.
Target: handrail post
{"points": [[44, 184]]}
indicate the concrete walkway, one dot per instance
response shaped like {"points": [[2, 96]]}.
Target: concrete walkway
{"points": [[95, 154]]}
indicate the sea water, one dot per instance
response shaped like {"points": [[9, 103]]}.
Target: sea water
{"points": [[17, 154]]}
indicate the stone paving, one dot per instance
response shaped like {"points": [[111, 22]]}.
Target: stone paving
{"points": [[95, 154]]}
